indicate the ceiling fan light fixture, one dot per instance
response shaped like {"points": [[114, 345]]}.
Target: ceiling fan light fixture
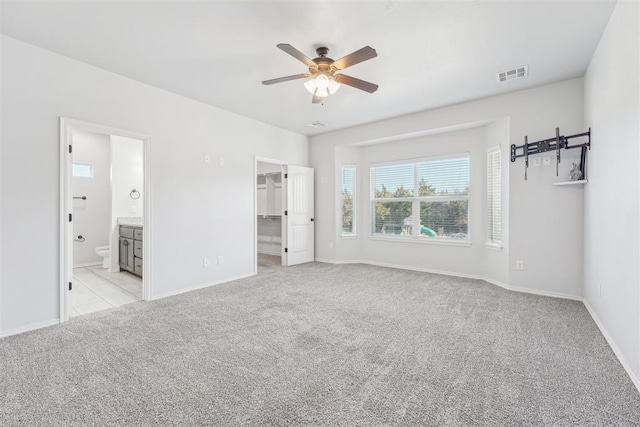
{"points": [[333, 86], [322, 86]]}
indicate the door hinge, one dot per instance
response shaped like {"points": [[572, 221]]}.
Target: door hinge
{"points": [[70, 148], [286, 175], [70, 217], [70, 285], [286, 249], [286, 213]]}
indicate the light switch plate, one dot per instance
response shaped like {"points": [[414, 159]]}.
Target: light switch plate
{"points": [[537, 161], [207, 158], [546, 161]]}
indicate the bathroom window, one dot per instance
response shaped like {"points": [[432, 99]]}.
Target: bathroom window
{"points": [[82, 170]]}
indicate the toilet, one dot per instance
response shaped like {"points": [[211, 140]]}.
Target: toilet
{"points": [[103, 251]]}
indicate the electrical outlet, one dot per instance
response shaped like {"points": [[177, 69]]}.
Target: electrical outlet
{"points": [[134, 209], [537, 161], [220, 260], [331, 245], [519, 265], [206, 262], [221, 161]]}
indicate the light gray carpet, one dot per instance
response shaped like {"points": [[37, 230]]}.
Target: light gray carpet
{"points": [[320, 344]]}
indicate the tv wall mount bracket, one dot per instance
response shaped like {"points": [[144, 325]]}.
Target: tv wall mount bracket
{"points": [[560, 142]]}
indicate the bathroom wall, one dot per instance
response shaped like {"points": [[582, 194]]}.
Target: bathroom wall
{"points": [[91, 216], [269, 228], [127, 171]]}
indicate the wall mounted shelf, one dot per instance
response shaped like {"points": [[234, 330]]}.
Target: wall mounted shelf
{"points": [[579, 182]]}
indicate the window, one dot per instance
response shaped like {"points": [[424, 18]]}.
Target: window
{"points": [[348, 200], [428, 198], [494, 197], [82, 170]]}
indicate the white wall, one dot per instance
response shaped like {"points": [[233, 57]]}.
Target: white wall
{"points": [[127, 174], [612, 231], [545, 222], [91, 216], [199, 209], [127, 169]]}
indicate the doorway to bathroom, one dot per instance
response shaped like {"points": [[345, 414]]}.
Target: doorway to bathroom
{"points": [[105, 225]]}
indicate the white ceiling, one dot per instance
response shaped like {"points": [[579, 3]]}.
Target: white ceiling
{"points": [[430, 53]]}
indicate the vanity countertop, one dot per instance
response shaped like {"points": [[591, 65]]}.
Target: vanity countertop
{"points": [[131, 221]]}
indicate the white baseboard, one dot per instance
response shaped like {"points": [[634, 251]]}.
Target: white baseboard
{"points": [[201, 286], [612, 344], [465, 275], [28, 328], [87, 264], [333, 261]]}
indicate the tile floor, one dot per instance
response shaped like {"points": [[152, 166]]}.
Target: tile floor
{"points": [[95, 289]]}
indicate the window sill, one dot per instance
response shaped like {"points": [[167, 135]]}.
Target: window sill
{"points": [[348, 236], [493, 247], [423, 240]]}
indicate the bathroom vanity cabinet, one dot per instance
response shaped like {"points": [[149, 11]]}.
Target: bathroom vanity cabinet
{"points": [[131, 249]]}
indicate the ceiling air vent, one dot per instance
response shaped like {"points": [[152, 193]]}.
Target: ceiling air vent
{"points": [[317, 124], [516, 73]]}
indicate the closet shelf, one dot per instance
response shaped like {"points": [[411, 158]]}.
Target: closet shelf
{"points": [[579, 182]]}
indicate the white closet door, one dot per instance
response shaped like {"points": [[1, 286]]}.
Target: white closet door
{"points": [[299, 219]]}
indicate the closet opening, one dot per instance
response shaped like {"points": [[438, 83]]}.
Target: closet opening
{"points": [[269, 209]]}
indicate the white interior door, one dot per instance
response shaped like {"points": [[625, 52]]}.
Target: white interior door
{"points": [[299, 246]]}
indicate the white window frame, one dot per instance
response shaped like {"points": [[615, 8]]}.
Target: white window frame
{"points": [[90, 168], [493, 198], [416, 237], [353, 232]]}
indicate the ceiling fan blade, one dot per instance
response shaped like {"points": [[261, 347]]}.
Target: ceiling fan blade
{"points": [[356, 57], [287, 78], [296, 54], [357, 83]]}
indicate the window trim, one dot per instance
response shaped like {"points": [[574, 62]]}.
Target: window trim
{"points": [[417, 238], [490, 242], [354, 222], [91, 170]]}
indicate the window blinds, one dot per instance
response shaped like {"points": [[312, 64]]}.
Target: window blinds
{"points": [[348, 200], [421, 198], [494, 197]]}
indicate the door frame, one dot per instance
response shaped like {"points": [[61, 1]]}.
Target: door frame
{"points": [[282, 163], [67, 126]]}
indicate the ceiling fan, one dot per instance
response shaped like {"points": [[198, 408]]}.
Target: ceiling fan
{"points": [[325, 81]]}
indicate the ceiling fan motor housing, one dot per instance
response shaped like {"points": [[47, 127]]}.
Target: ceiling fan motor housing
{"points": [[323, 63]]}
